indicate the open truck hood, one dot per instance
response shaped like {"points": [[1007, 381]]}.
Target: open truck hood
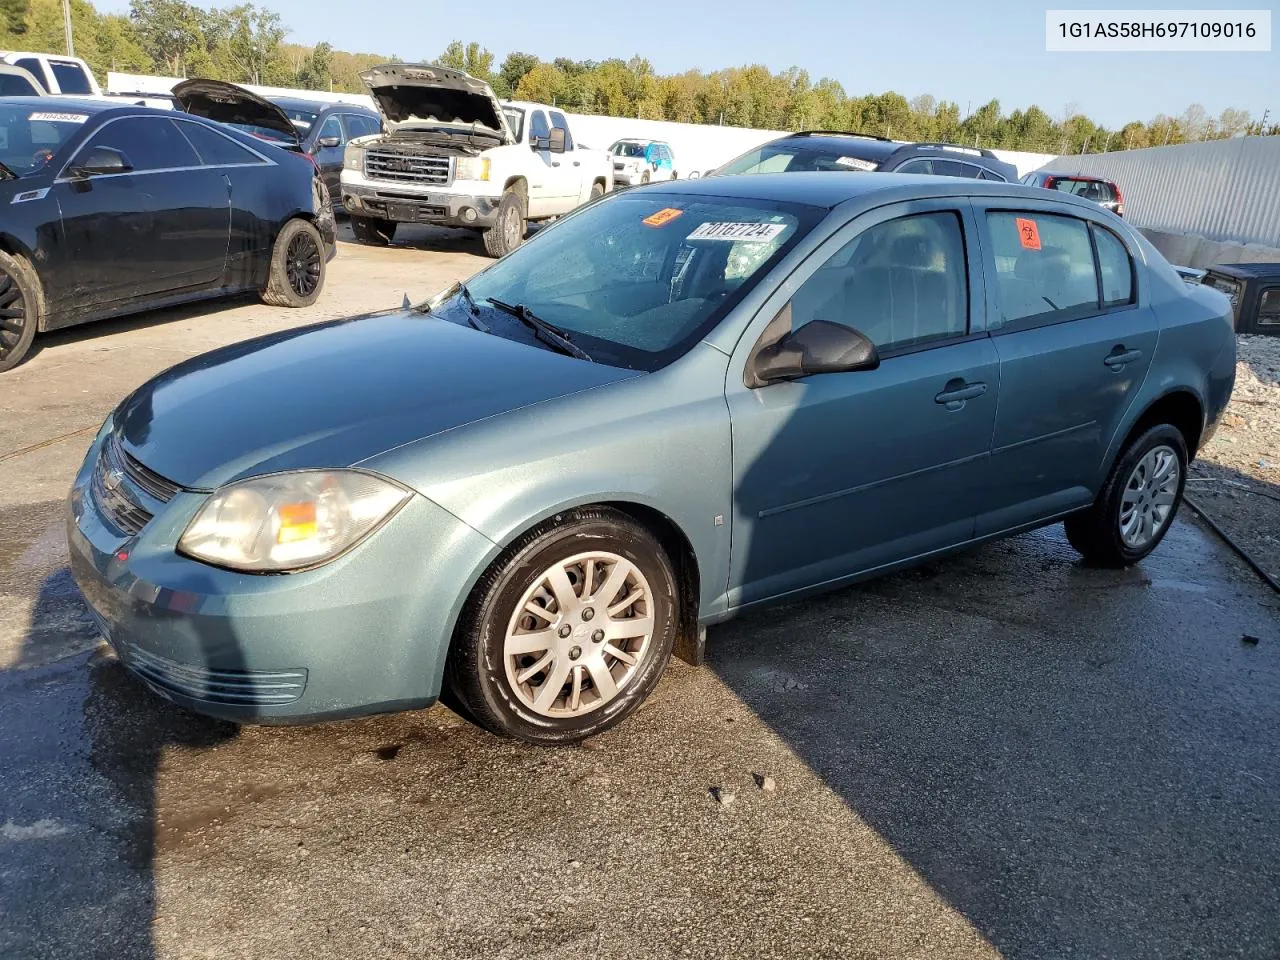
{"points": [[227, 103], [418, 95]]}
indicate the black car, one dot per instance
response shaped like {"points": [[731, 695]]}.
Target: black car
{"points": [[318, 129], [833, 150], [114, 209], [1100, 190], [1254, 292]]}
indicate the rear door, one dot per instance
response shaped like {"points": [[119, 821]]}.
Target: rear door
{"points": [[1075, 342]]}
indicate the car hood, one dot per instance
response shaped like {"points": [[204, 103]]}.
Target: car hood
{"points": [[228, 103], [410, 95], [335, 394]]}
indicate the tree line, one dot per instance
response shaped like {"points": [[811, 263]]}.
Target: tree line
{"points": [[245, 43]]}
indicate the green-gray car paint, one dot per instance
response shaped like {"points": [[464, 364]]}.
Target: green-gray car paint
{"points": [[494, 436]]}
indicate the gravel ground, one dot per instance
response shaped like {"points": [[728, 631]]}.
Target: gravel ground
{"points": [[1236, 479]]}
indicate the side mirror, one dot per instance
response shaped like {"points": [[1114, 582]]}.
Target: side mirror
{"points": [[324, 143], [99, 162], [555, 142], [820, 346]]}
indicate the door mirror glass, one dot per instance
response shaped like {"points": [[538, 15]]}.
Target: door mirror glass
{"points": [[101, 161], [555, 141], [819, 346], [324, 143]]}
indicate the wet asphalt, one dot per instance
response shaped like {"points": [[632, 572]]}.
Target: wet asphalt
{"points": [[1000, 754]]}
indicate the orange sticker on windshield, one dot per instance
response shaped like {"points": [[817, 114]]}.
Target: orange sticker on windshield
{"points": [[1028, 233], [665, 215]]}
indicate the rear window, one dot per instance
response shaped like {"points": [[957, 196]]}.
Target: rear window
{"points": [[71, 77], [12, 85]]}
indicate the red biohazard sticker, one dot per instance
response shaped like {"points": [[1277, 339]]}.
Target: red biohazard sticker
{"points": [[665, 215], [1028, 233]]}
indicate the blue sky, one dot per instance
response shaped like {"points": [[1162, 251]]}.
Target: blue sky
{"points": [[967, 52]]}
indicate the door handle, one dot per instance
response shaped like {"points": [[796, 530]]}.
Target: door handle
{"points": [[957, 391], [1118, 358], [555, 163], [577, 163]]}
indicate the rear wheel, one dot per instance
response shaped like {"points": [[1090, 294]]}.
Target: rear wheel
{"points": [[569, 632], [19, 310], [1138, 502], [373, 230], [297, 266], [644, 177], [509, 230], [597, 190]]}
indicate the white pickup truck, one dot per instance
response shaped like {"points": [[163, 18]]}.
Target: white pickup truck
{"points": [[64, 76], [452, 155]]}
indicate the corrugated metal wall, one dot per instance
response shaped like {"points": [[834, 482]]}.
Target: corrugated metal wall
{"points": [[1227, 190]]}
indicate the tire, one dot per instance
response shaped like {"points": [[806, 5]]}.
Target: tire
{"points": [[644, 178], [373, 230], [597, 191], [1104, 534], [509, 230], [20, 309], [494, 677], [297, 266], [675, 175]]}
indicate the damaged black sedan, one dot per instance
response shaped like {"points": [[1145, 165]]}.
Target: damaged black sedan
{"points": [[111, 210]]}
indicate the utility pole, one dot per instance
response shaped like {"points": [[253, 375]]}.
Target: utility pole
{"points": [[1262, 124], [66, 26]]}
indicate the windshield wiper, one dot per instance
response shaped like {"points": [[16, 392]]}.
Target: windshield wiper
{"points": [[548, 333]]}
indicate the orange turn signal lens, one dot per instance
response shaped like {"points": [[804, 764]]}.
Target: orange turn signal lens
{"points": [[297, 522]]}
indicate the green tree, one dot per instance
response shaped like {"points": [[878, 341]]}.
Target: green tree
{"points": [[13, 16], [170, 31], [512, 71], [470, 58], [245, 43]]}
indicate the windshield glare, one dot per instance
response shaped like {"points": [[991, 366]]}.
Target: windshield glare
{"points": [[637, 280], [30, 135], [791, 159]]}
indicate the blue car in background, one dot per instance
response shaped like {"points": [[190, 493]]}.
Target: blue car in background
{"points": [[674, 405], [642, 161]]}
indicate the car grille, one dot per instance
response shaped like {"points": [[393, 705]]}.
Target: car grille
{"points": [[248, 687], [402, 168], [117, 480]]}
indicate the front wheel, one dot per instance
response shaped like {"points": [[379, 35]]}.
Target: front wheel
{"points": [[19, 310], [1137, 504], [568, 632], [509, 230], [296, 274]]}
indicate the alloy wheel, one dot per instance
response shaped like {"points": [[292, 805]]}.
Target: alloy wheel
{"points": [[1149, 497], [303, 259], [579, 634], [13, 314]]}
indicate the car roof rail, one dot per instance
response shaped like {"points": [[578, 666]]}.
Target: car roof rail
{"points": [[840, 133], [958, 147]]}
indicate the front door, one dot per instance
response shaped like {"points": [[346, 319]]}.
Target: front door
{"points": [[329, 154], [1074, 345], [161, 226], [840, 474]]}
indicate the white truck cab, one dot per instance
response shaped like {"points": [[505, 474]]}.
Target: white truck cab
{"points": [[452, 155], [64, 76]]}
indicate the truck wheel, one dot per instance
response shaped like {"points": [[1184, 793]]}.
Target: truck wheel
{"points": [[19, 310], [297, 266], [373, 230], [509, 230], [645, 177], [597, 191], [675, 175]]}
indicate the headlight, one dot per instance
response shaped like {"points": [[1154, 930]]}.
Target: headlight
{"points": [[289, 521], [353, 158], [471, 168]]}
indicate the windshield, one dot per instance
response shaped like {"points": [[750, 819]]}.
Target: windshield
{"points": [[515, 120], [624, 149], [638, 280], [790, 158], [30, 136]]}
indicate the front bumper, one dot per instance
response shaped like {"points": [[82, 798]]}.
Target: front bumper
{"points": [[395, 202], [627, 178], [365, 633]]}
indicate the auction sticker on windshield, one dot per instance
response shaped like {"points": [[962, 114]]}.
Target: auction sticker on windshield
{"points": [[60, 117], [665, 215], [854, 163], [750, 232]]}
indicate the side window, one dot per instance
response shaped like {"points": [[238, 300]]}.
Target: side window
{"points": [[1044, 266], [558, 120], [332, 128], [954, 168], [1269, 308], [148, 143], [991, 175], [538, 127], [901, 283], [32, 66], [70, 76], [916, 166], [215, 149], [1114, 267]]}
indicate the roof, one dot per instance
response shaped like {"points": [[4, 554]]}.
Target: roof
{"points": [[1265, 271], [78, 105], [316, 106], [830, 189], [847, 145]]}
